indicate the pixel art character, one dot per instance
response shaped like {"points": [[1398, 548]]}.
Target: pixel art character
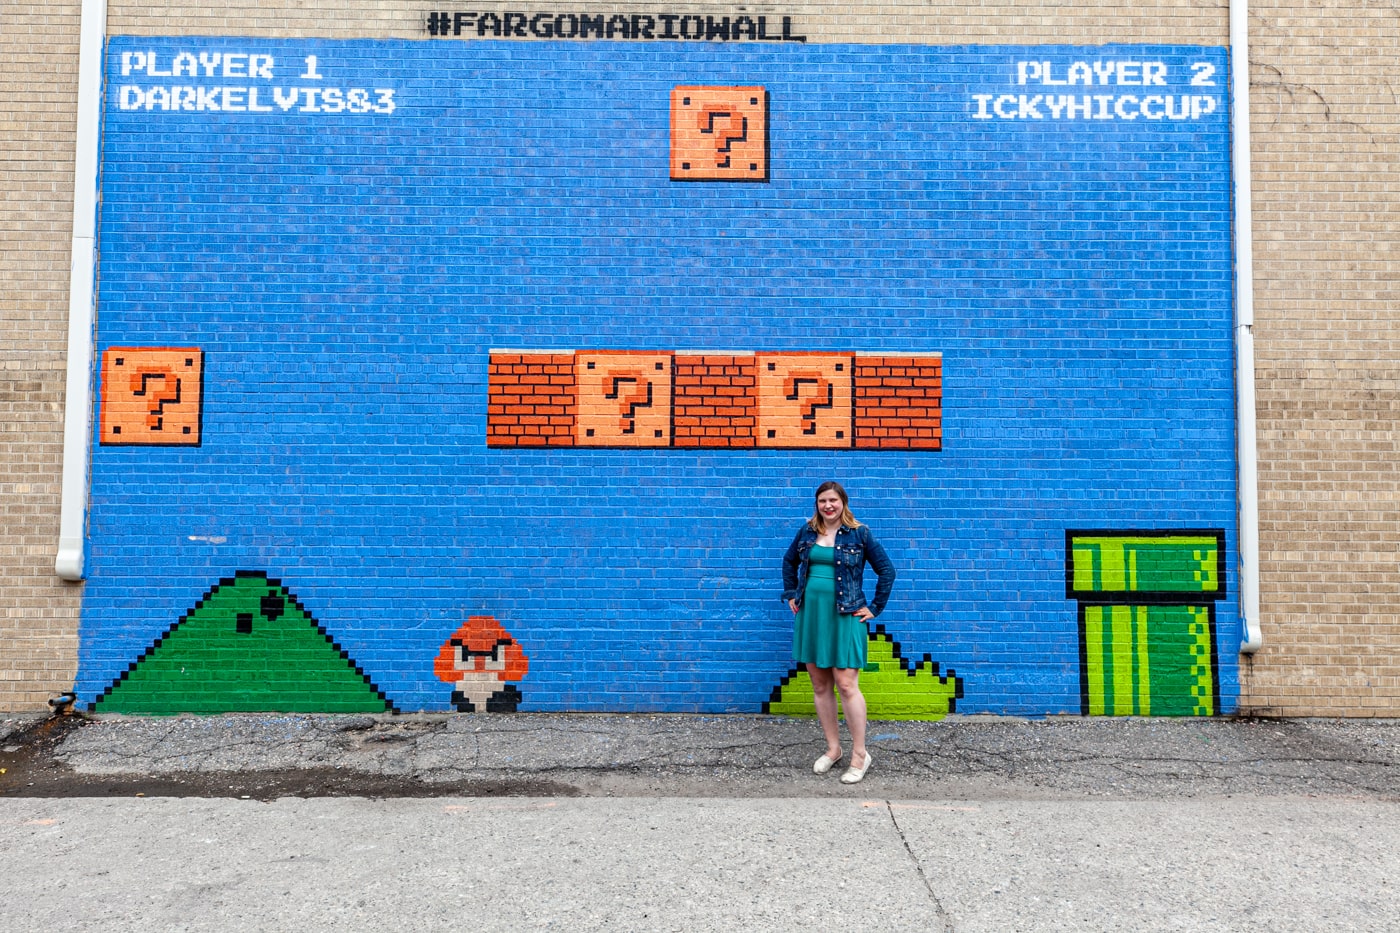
{"points": [[479, 660]]}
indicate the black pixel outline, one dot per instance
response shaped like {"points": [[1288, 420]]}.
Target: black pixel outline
{"points": [[389, 706]]}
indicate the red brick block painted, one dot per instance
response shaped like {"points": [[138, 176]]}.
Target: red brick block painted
{"points": [[899, 402], [714, 401], [532, 400]]}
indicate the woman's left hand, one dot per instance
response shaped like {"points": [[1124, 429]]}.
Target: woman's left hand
{"points": [[864, 614]]}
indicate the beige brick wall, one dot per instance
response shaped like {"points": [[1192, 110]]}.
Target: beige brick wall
{"points": [[38, 77], [928, 21], [1326, 222], [1324, 82]]}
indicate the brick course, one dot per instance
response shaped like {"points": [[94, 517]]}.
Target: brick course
{"points": [[715, 405], [533, 400]]}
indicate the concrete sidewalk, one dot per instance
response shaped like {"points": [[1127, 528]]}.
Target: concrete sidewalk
{"points": [[701, 823], [688, 864]]}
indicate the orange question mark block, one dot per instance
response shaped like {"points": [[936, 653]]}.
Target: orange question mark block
{"points": [[719, 134], [152, 396], [624, 399], [805, 400]]}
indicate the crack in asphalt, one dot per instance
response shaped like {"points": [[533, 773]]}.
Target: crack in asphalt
{"points": [[739, 755], [942, 914]]}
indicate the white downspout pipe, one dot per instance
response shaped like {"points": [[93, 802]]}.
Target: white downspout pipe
{"points": [[1245, 436], [82, 295]]}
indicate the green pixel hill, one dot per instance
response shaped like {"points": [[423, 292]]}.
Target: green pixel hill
{"points": [[893, 688], [247, 646]]}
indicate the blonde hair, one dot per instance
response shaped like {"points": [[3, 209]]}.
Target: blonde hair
{"points": [[848, 518]]}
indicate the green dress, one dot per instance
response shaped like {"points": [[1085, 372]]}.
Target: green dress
{"points": [[821, 635]]}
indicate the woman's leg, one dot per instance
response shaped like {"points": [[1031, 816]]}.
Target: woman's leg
{"points": [[822, 684], [853, 705]]}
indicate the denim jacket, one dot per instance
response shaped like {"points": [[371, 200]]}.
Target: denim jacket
{"points": [[854, 548]]}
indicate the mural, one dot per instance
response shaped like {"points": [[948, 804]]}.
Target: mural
{"points": [[560, 336]]}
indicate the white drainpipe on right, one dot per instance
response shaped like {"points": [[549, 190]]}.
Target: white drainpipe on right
{"points": [[1247, 488]]}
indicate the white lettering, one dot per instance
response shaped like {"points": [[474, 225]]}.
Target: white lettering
{"points": [[1004, 99], [233, 99], [132, 60], [1129, 73], [1025, 71], [185, 64], [151, 68], [1103, 113], [260, 66], [1200, 106], [1104, 70], [235, 65], [1071, 106], [1079, 73], [1203, 71], [1026, 108], [982, 99], [1154, 73], [1149, 114], [209, 62], [1123, 114]]}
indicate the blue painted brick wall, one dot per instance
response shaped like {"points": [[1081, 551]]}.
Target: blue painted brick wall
{"points": [[346, 274]]}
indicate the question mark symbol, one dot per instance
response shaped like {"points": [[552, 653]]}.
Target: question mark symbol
{"points": [[637, 399], [726, 140], [168, 393], [793, 389]]}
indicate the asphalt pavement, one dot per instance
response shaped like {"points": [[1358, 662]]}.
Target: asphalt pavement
{"points": [[643, 823]]}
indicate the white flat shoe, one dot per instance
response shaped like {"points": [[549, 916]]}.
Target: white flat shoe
{"points": [[855, 775], [824, 764]]}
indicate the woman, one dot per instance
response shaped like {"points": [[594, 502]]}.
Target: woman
{"points": [[822, 583]]}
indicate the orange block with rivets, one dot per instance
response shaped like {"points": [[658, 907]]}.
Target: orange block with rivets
{"points": [[624, 399], [152, 396], [719, 134], [804, 399]]}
